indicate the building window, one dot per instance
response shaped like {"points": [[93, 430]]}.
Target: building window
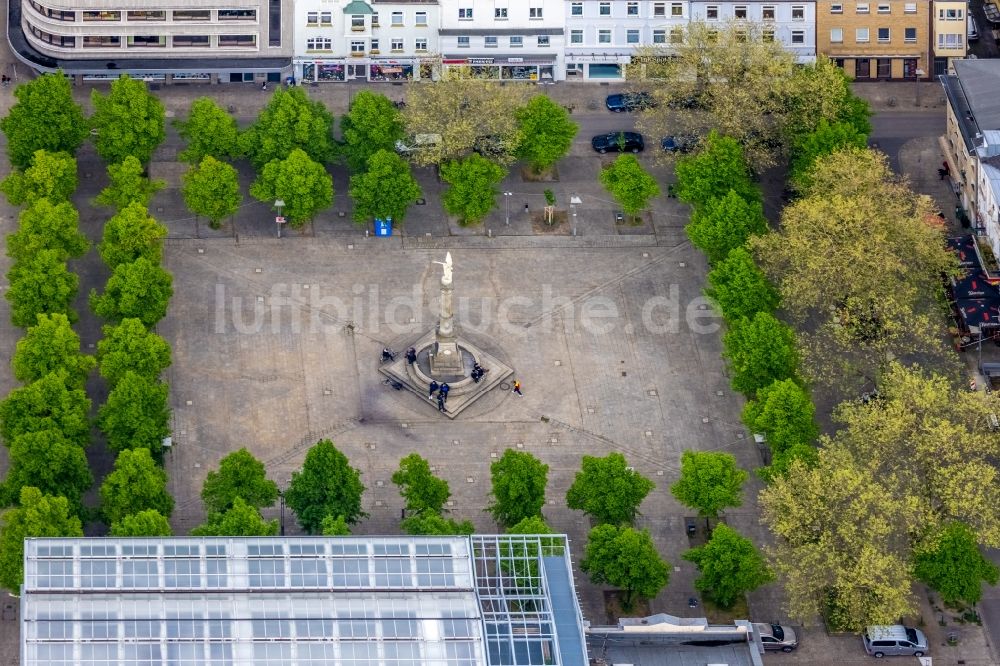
{"points": [[862, 68], [948, 41], [676, 9], [767, 35], [535, 12], [862, 8], [603, 36], [576, 9], [375, 19], [420, 44], [397, 18], [861, 35], [325, 18], [244, 41], [463, 42], [712, 12], [421, 18], [102, 16], [950, 14], [883, 68], [604, 9], [632, 9], [576, 36], [55, 40], [798, 13], [146, 16], [500, 13], [373, 46], [798, 36], [883, 35], [397, 45], [312, 19], [56, 14], [249, 15], [631, 36], [659, 36], [676, 35], [836, 35], [312, 44], [516, 41], [357, 48], [465, 13], [910, 8], [740, 11], [147, 41], [767, 12], [191, 15], [357, 22], [543, 41], [490, 42], [106, 42], [837, 9], [659, 10], [884, 9], [910, 35]]}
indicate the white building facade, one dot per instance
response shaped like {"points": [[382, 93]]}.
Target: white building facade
{"points": [[602, 36], [507, 40], [986, 213], [343, 40], [793, 24]]}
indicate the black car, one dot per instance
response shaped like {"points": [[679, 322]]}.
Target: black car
{"points": [[626, 142], [629, 102], [682, 143]]}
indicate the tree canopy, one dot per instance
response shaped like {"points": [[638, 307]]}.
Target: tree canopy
{"points": [[50, 176], [434, 524], [129, 347], [131, 234], [334, 526], [629, 184], [608, 489], [759, 351], [128, 120], [136, 483], [45, 117], [372, 124], [210, 131], [826, 139], [783, 412], [47, 226], [730, 566], [546, 132], [47, 461], [519, 480], [212, 189], [951, 564], [472, 190], [421, 490], [304, 186], [326, 485], [140, 289], [626, 558], [739, 288], [386, 189], [136, 415], [129, 185], [240, 519], [41, 284], [710, 481], [36, 515], [721, 225], [290, 122], [711, 173], [49, 346], [148, 523], [47, 404], [240, 474]]}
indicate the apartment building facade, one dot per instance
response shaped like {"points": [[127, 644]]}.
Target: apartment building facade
{"points": [[948, 33], [349, 40], [876, 39], [792, 24]]}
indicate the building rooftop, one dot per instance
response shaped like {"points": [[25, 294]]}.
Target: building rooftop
{"points": [[665, 640], [972, 94], [400, 601]]}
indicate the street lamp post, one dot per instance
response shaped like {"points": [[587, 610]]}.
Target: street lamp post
{"points": [[281, 497], [279, 204], [506, 200]]}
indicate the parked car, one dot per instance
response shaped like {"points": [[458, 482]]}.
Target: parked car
{"points": [[894, 639], [973, 29], [626, 142], [630, 102], [777, 636], [682, 143]]}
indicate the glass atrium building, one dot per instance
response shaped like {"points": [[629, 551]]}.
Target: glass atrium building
{"points": [[310, 601]]}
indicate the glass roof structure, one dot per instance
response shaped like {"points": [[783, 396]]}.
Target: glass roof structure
{"points": [[300, 601]]}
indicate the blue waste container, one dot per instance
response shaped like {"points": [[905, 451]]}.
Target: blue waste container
{"points": [[383, 228]]}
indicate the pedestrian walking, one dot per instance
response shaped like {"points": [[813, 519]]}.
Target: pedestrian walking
{"points": [[411, 355], [263, 85], [441, 407], [517, 388], [444, 391], [434, 388]]}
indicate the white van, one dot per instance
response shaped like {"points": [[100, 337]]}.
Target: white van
{"points": [[894, 639], [973, 29]]}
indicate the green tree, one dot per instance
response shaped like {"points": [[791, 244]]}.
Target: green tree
{"points": [[821, 92], [128, 185], [334, 526], [326, 485], [826, 139], [434, 524], [41, 284], [783, 412], [51, 176], [625, 558], [385, 189], [740, 289], [952, 564], [48, 404], [530, 525], [128, 120], [372, 124], [713, 171], [519, 480], [47, 461], [212, 189], [241, 520], [47, 226], [546, 132], [608, 489], [304, 186], [45, 117], [129, 347], [37, 515], [49, 346], [629, 184], [759, 351], [136, 483], [131, 234], [472, 192], [710, 481], [148, 523], [136, 415], [209, 131], [730, 566], [422, 491], [140, 290], [782, 461], [290, 122], [239, 475], [722, 225]]}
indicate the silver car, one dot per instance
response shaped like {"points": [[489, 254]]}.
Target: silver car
{"points": [[776, 636], [895, 639]]}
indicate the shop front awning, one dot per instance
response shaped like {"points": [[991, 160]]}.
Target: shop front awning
{"points": [[964, 248]]}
